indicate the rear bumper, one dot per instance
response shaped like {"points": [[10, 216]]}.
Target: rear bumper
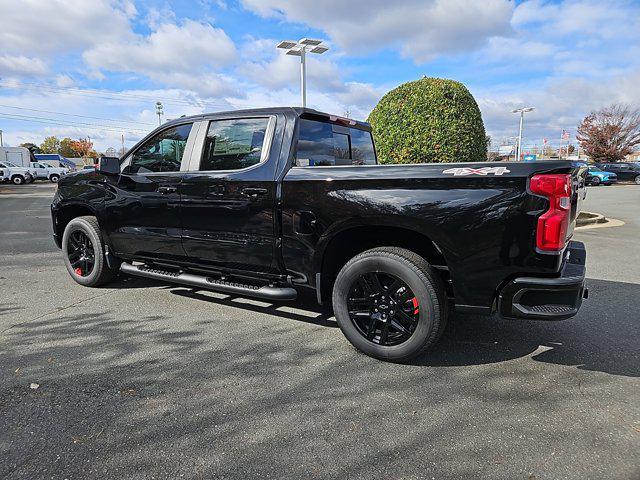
{"points": [[554, 298]]}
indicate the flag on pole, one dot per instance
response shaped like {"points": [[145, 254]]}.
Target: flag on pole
{"points": [[565, 135], [545, 141]]}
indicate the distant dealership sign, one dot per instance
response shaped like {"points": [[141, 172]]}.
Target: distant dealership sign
{"points": [[506, 150], [530, 158]]}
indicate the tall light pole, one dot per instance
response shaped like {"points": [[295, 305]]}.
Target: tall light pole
{"points": [[521, 111], [159, 112], [300, 49], [1, 143]]}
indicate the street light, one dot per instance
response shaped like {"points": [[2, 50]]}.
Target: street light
{"points": [[300, 49], [159, 111], [521, 111]]}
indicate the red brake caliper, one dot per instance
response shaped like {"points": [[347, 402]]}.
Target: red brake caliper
{"points": [[414, 301], [78, 271]]}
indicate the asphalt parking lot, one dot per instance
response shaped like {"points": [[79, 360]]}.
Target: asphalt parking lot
{"points": [[145, 380]]}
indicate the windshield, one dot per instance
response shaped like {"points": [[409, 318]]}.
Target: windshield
{"points": [[595, 169]]}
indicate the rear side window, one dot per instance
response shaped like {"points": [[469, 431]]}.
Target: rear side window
{"points": [[234, 144], [322, 144], [162, 152]]}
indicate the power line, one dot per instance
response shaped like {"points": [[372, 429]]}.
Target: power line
{"points": [[107, 95], [49, 121], [77, 115]]}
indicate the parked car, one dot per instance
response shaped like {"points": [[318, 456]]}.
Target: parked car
{"points": [[625, 171], [47, 172], [596, 176], [16, 175], [268, 203]]}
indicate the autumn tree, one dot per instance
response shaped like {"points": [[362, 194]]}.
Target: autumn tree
{"points": [[66, 149], [611, 133], [83, 148], [50, 145]]}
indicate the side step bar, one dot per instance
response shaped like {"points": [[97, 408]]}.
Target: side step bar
{"points": [[207, 283]]}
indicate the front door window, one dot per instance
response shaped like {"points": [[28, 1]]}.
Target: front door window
{"points": [[161, 153]]}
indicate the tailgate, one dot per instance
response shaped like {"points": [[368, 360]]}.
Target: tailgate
{"points": [[578, 194]]}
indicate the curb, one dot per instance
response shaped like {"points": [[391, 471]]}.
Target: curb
{"points": [[590, 218]]}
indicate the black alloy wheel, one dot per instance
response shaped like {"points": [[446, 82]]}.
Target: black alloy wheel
{"points": [[383, 308], [390, 303], [81, 253]]}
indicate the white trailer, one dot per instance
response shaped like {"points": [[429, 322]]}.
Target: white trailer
{"points": [[19, 156]]}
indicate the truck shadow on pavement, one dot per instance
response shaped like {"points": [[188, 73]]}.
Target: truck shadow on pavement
{"points": [[602, 337]]}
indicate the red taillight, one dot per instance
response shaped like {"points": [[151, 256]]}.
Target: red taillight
{"points": [[552, 227]]}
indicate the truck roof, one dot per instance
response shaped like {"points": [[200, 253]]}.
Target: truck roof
{"points": [[298, 111]]}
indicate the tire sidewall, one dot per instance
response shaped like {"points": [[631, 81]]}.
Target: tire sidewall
{"points": [[19, 178], [429, 307], [79, 224], [637, 179], [54, 178]]}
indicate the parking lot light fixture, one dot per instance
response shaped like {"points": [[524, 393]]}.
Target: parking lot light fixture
{"points": [[300, 49], [159, 112], [521, 111]]}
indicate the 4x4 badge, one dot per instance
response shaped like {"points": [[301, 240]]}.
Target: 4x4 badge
{"points": [[464, 171]]}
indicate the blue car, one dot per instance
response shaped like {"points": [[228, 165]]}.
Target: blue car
{"points": [[596, 177]]}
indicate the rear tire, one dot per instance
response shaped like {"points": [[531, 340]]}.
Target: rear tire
{"points": [[637, 179], [83, 252], [595, 181], [54, 178], [424, 322], [17, 179]]}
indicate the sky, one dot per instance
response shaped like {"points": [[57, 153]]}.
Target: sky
{"points": [[95, 68]]}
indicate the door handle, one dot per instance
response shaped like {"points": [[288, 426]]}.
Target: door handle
{"points": [[216, 190], [166, 189], [253, 192]]}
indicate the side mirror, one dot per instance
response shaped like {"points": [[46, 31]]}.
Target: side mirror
{"points": [[109, 165]]}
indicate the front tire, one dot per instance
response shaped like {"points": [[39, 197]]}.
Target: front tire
{"points": [[637, 179], [17, 179], [54, 178], [390, 303], [595, 181], [83, 252]]}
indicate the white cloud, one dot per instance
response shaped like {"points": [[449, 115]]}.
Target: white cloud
{"points": [[63, 80], [21, 66], [32, 27], [421, 29], [186, 55], [560, 104]]}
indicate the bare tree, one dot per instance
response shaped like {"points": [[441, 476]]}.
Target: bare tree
{"points": [[611, 133]]}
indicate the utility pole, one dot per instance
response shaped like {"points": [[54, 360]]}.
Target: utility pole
{"points": [[1, 143], [159, 112], [521, 111], [300, 49]]}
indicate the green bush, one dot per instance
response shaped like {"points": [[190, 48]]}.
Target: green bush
{"points": [[429, 120]]}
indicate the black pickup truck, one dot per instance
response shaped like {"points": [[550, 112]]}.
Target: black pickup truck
{"points": [[269, 202]]}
